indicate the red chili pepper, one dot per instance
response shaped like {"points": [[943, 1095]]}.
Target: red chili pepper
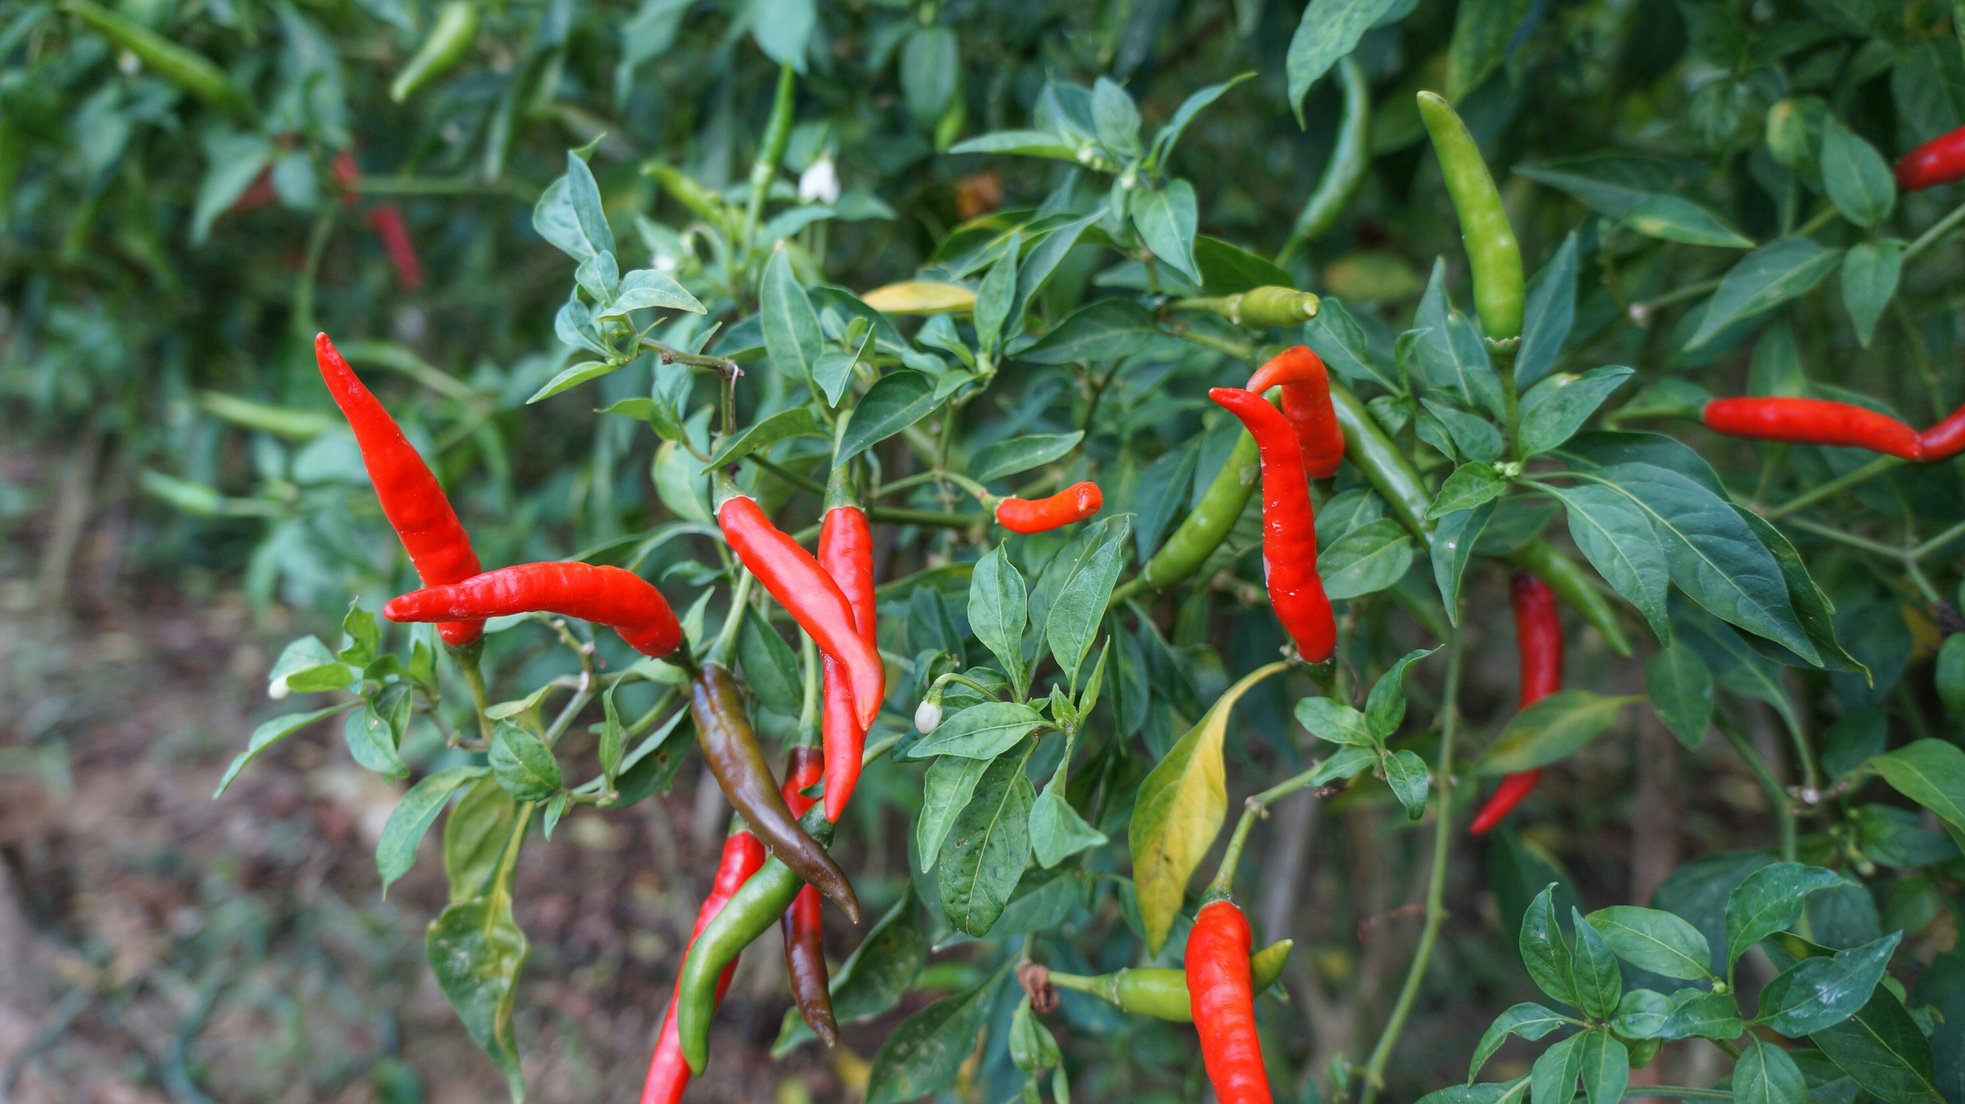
{"points": [[805, 954], [846, 554], [348, 175], [1812, 422], [411, 498], [668, 1074], [1075, 503], [1223, 1000], [260, 193], [1306, 403], [1289, 527], [1938, 161], [800, 585], [387, 219], [1538, 636], [1944, 440], [594, 592]]}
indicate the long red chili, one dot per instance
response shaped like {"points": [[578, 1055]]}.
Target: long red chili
{"points": [[846, 554], [387, 219], [1538, 636], [1289, 527], [1041, 515], [805, 953], [411, 497], [1812, 422], [1944, 440], [1306, 403], [1938, 161], [800, 585], [668, 1074], [595, 592], [1223, 1001]]}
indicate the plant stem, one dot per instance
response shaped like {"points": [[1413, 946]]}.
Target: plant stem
{"points": [[877, 513], [1504, 366], [1435, 884], [1938, 230], [726, 637], [1763, 774], [1834, 486], [310, 272], [670, 353], [467, 658], [1920, 357], [1220, 345]]}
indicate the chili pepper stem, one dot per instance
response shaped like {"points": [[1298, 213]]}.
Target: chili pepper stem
{"points": [[671, 354], [468, 663], [1835, 486], [1221, 345], [1938, 230], [808, 713], [726, 637], [1435, 883], [1504, 366], [1104, 986], [1763, 774]]}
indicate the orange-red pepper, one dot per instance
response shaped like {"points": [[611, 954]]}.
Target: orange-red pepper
{"points": [[595, 592], [1041, 515], [1223, 999], [668, 1074], [1938, 161], [1812, 422], [1289, 526], [1538, 637], [1306, 403], [387, 219], [846, 554]]}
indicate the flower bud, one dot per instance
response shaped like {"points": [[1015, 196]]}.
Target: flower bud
{"points": [[819, 183], [927, 715]]}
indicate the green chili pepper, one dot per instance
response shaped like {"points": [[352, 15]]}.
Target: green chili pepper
{"points": [[1492, 252], [1345, 170], [450, 39], [1161, 992], [182, 66], [1259, 308], [749, 914], [701, 201], [1384, 465], [1572, 583], [770, 147], [1207, 525]]}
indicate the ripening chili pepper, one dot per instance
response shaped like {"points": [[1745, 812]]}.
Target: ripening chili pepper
{"points": [[1938, 161], [846, 554], [1576, 585], [1208, 523], [1161, 992], [668, 1074], [805, 953], [796, 580], [748, 915], [594, 592], [1260, 308], [1349, 160], [730, 748], [1289, 528], [1384, 466], [1494, 257], [180, 65], [1306, 403], [1812, 422], [450, 39], [1041, 515], [411, 497], [387, 221], [1538, 637], [1944, 440], [1223, 997]]}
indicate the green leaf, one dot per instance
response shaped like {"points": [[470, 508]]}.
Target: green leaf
{"points": [[371, 741], [1642, 1014], [1334, 721], [1550, 313], [1482, 31], [1931, 773], [1654, 940], [1114, 119], [1166, 218], [1764, 1074], [1554, 1074], [924, 1051], [1493, 1092], [235, 162], [998, 611], [996, 300], [272, 732], [1405, 773], [1454, 539], [1680, 688], [574, 376], [1599, 981], [979, 732], [1764, 279], [834, 369], [1950, 677], [1030, 143], [1366, 560], [1469, 486], [1328, 30], [1385, 707], [1819, 991], [791, 327], [945, 792], [476, 950], [770, 666], [1884, 1050], [1856, 177], [785, 425], [1634, 189], [395, 852], [1227, 270], [645, 288], [1556, 408], [1338, 338], [1674, 218], [1178, 813], [1558, 725], [1169, 135], [476, 834], [589, 212], [1020, 453], [1869, 279], [522, 763], [1529, 1020], [1545, 953], [1080, 604], [1770, 900], [896, 401], [987, 847], [1057, 831], [1703, 1015]]}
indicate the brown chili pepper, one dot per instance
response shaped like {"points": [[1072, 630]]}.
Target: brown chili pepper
{"points": [[805, 953]]}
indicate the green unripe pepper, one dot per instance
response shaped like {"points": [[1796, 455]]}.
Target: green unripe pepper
{"points": [[1387, 469], [180, 65], [1207, 525], [1161, 992], [1492, 252], [450, 39]]}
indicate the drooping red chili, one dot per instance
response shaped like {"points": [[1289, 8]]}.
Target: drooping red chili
{"points": [[1538, 637], [846, 554], [1289, 526], [796, 580], [805, 953], [1944, 440], [1307, 405], [411, 497], [1812, 422], [1041, 515], [1938, 161], [387, 219], [1223, 999], [595, 592], [668, 1074]]}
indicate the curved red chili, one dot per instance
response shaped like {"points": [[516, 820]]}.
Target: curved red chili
{"points": [[411, 497], [805, 953], [668, 1074], [800, 585], [846, 554], [1041, 515], [1223, 1000], [1938, 161], [387, 219], [1538, 636], [1944, 440], [1812, 422], [1289, 527], [1306, 403], [594, 592]]}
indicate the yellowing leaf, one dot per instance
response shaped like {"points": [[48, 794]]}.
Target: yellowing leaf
{"points": [[920, 297], [1181, 805]]}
